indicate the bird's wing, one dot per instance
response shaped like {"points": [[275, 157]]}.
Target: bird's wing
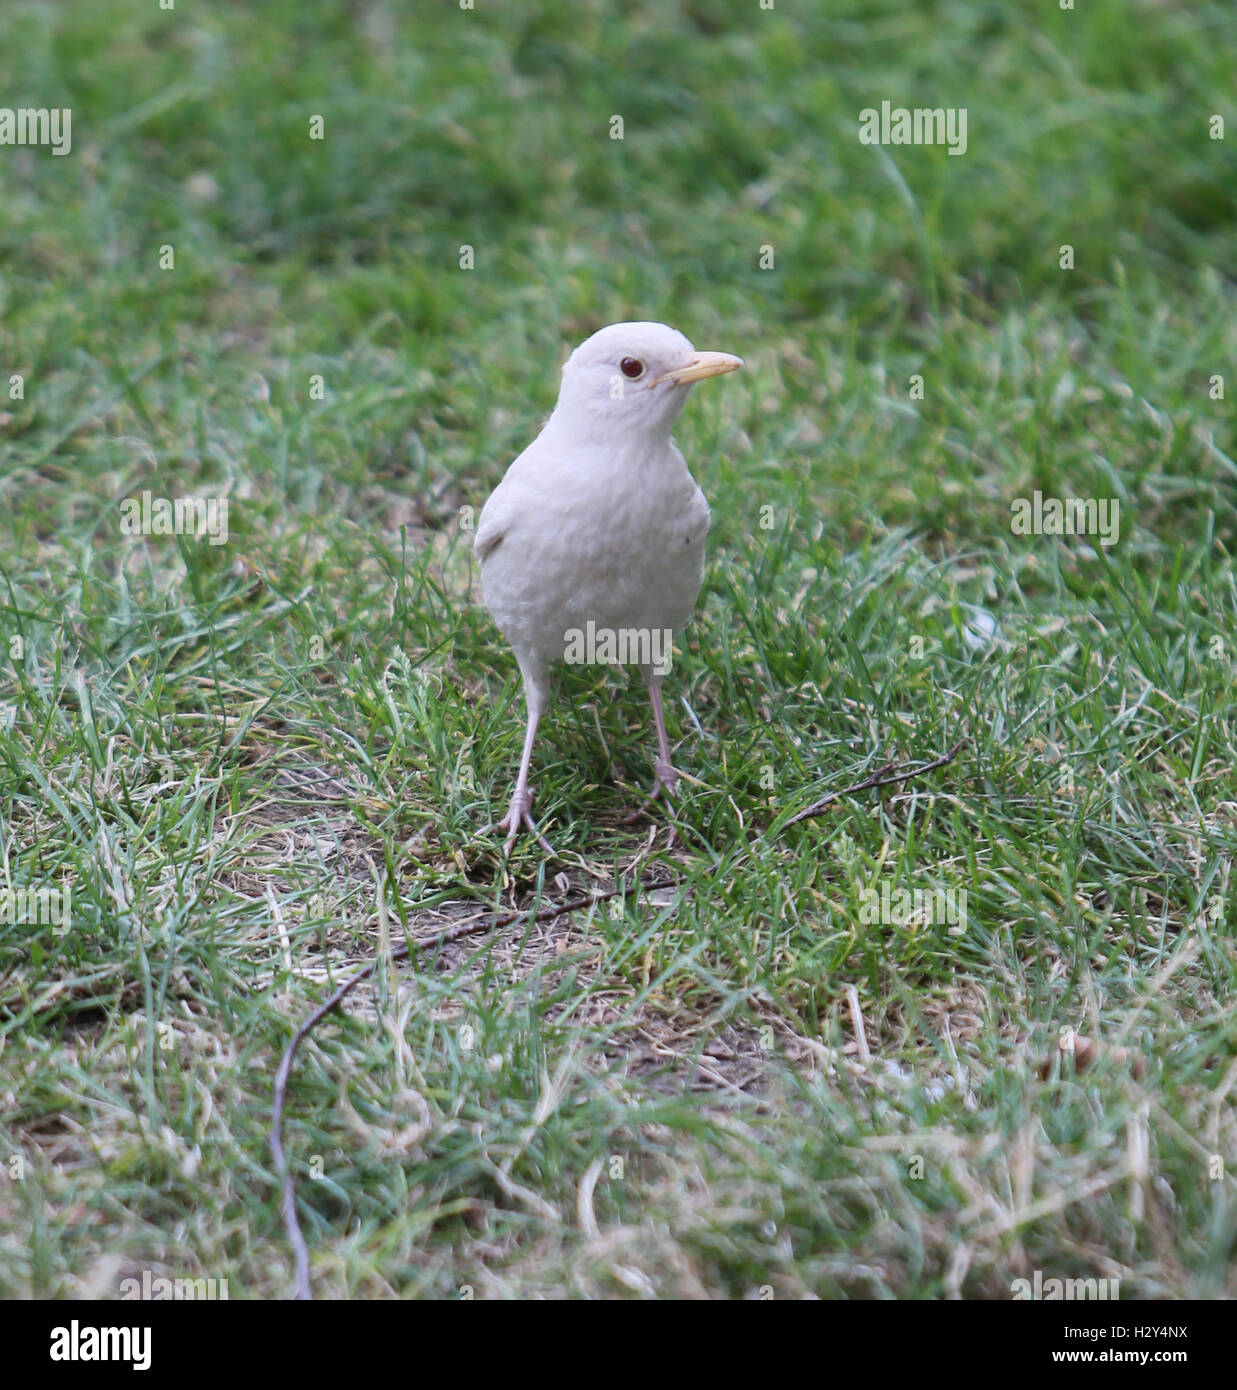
{"points": [[507, 502], [490, 535], [495, 521]]}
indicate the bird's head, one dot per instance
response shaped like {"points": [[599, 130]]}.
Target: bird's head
{"points": [[632, 378]]}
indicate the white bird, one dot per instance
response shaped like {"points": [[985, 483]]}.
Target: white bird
{"points": [[599, 522]]}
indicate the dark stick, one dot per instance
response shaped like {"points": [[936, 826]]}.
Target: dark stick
{"points": [[877, 779]]}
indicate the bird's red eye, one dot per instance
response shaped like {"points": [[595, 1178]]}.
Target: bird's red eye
{"points": [[631, 367]]}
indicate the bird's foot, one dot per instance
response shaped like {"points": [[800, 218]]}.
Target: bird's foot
{"points": [[665, 779], [520, 815]]}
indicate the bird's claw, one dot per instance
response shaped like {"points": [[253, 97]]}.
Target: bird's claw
{"points": [[665, 776], [520, 815], [665, 779]]}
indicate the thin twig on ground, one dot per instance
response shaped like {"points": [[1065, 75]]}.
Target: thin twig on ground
{"points": [[877, 779]]}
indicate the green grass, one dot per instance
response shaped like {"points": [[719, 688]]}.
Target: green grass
{"points": [[230, 753]]}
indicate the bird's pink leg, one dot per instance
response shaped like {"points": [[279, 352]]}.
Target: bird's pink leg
{"points": [[665, 777], [520, 812], [664, 774]]}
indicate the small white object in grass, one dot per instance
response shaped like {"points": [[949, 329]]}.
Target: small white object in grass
{"points": [[598, 529], [979, 630]]}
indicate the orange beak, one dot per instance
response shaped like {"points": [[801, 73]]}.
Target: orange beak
{"points": [[702, 364]]}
